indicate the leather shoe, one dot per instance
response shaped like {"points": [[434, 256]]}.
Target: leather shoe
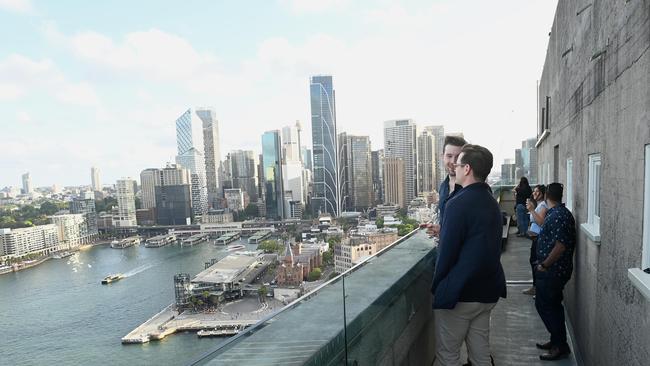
{"points": [[556, 353], [544, 346]]}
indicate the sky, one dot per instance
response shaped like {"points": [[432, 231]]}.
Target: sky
{"points": [[90, 83]]}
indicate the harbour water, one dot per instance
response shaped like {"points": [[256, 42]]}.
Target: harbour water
{"points": [[59, 313]]}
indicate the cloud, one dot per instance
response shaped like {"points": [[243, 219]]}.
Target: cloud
{"points": [[299, 7], [17, 6], [23, 117], [78, 94]]}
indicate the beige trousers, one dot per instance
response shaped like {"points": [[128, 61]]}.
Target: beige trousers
{"points": [[469, 322]]}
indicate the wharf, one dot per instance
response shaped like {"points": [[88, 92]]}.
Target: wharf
{"points": [[228, 238], [169, 321], [258, 237]]}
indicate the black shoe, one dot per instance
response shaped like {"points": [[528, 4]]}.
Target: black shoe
{"points": [[470, 364], [556, 353], [545, 346]]}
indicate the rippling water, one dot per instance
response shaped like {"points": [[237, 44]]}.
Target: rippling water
{"points": [[59, 313]]}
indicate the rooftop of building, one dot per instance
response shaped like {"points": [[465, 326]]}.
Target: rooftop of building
{"points": [[226, 270]]}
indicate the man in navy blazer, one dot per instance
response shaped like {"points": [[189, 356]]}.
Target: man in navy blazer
{"points": [[469, 278]]}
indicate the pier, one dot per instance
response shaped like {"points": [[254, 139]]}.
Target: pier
{"points": [[258, 237], [160, 241], [226, 321], [227, 238], [195, 239]]}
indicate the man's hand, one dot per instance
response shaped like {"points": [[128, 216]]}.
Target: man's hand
{"points": [[435, 230]]}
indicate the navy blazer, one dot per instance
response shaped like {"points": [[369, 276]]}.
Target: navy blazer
{"points": [[468, 267], [443, 196]]}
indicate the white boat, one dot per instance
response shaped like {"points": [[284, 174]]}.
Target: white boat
{"points": [[234, 247], [112, 278]]}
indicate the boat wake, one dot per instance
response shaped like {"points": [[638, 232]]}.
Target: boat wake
{"points": [[137, 270]]}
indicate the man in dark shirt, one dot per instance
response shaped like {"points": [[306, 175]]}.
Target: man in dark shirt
{"points": [[468, 277], [450, 151], [555, 247]]}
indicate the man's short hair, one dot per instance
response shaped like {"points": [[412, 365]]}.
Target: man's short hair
{"points": [[554, 192], [479, 158], [453, 141]]}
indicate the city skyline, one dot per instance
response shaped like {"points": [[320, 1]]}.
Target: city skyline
{"points": [[119, 109]]}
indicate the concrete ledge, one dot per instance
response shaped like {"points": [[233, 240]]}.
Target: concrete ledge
{"points": [[591, 232], [640, 280]]}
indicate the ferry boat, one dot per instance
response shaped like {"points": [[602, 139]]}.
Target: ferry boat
{"points": [[62, 255], [234, 247], [112, 278]]}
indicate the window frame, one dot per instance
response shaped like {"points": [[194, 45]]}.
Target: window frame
{"points": [[592, 226], [569, 184], [645, 253]]}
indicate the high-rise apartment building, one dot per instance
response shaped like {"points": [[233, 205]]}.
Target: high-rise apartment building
{"points": [[148, 178], [378, 175], [356, 172], [172, 195], [27, 183], [86, 207], [427, 157], [394, 176], [325, 148], [125, 203], [72, 230], [241, 170], [95, 179], [190, 146], [438, 133], [40, 239], [400, 143], [306, 158], [292, 167], [212, 154], [272, 166]]}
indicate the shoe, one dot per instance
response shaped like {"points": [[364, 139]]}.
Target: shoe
{"points": [[545, 346], [556, 353], [529, 291]]}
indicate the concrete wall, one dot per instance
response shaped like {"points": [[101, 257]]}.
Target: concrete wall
{"points": [[611, 318]]}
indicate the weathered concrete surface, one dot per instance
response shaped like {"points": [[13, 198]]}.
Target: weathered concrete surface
{"points": [[600, 104]]}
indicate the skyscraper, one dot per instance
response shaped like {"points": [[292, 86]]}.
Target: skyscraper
{"points": [[125, 203], [427, 157], [378, 175], [400, 143], [242, 170], [212, 154], [439, 138], [27, 183], [172, 194], [325, 148], [394, 177], [345, 184], [148, 178], [306, 158], [94, 177], [272, 165], [360, 172], [189, 139]]}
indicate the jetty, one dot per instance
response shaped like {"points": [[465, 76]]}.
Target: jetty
{"points": [[227, 238], [258, 237]]}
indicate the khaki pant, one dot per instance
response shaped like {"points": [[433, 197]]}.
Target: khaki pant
{"points": [[469, 322]]}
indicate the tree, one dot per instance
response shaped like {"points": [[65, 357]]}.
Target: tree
{"points": [[315, 274], [328, 257], [379, 222], [261, 292], [270, 246], [334, 240], [49, 208]]}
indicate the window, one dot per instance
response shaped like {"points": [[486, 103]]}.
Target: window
{"points": [[569, 184], [592, 226], [645, 262]]}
